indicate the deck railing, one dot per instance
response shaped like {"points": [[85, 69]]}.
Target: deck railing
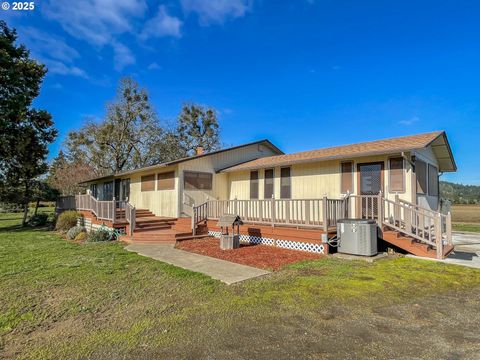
{"points": [[109, 210], [317, 213], [428, 226]]}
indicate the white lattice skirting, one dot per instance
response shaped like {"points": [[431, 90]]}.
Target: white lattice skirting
{"points": [[286, 244], [88, 225]]}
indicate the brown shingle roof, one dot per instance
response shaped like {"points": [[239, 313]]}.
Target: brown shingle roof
{"points": [[387, 146]]}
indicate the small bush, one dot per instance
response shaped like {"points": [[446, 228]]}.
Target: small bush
{"points": [[66, 220], [74, 231], [81, 237], [99, 235], [38, 220], [10, 208]]}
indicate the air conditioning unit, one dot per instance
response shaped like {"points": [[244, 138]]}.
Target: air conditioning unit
{"points": [[357, 237]]}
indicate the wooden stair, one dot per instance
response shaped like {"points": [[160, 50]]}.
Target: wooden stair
{"points": [[156, 229], [412, 245]]}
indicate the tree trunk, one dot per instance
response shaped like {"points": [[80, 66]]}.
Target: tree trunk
{"points": [[36, 207], [25, 213]]}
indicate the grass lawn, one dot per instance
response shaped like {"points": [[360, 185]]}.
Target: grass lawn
{"points": [[64, 300]]}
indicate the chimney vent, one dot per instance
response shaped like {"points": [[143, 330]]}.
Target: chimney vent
{"points": [[199, 150]]}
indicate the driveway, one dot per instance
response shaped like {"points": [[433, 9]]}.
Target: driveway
{"points": [[466, 242]]}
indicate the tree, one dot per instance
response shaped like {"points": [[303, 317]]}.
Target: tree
{"points": [[65, 174], [25, 133], [129, 137], [198, 127], [42, 191]]}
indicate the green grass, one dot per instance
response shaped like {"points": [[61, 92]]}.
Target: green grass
{"points": [[466, 227], [65, 300]]}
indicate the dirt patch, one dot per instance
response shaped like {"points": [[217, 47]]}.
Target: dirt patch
{"points": [[260, 256]]}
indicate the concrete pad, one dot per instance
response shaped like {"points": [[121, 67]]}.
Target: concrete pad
{"points": [[359, 257], [464, 241], [222, 270], [468, 259]]}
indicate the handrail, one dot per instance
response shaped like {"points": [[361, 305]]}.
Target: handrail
{"points": [[199, 215], [426, 225], [102, 209], [130, 216], [314, 213]]}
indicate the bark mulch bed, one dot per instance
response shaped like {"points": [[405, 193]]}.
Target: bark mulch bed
{"points": [[259, 256]]}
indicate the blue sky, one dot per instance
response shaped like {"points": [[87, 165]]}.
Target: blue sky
{"points": [[305, 74]]}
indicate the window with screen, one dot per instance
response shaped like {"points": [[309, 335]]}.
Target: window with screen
{"points": [[148, 183], [421, 173], [397, 175], [432, 180], [253, 184], [197, 180], [268, 184], [94, 190], [285, 183], [166, 181], [347, 177]]}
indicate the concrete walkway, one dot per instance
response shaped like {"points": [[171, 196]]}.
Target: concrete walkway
{"points": [[464, 241], [222, 270]]}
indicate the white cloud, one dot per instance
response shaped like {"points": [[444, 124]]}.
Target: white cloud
{"points": [[47, 45], [52, 51], [58, 67], [410, 121], [154, 66], [122, 56], [95, 21], [161, 25], [216, 11]]}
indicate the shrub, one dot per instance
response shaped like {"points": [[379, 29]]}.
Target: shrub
{"points": [[81, 236], [10, 208], [66, 220], [38, 220], [99, 235], [74, 231]]}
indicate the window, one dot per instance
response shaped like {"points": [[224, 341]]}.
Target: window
{"points": [[253, 184], [397, 175], [285, 183], [347, 177], [148, 183], [108, 191], [268, 182], [197, 180], [94, 190], [166, 181], [421, 172], [432, 180]]}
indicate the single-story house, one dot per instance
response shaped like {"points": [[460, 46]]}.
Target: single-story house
{"points": [[394, 181]]}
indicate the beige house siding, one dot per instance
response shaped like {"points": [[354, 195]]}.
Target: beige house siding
{"points": [[160, 202], [212, 164], [315, 180], [427, 155]]}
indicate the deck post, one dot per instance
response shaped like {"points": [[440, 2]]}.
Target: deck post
{"points": [[381, 215], [235, 206], [438, 236], [193, 219], [272, 210], [449, 228], [325, 213], [114, 210]]}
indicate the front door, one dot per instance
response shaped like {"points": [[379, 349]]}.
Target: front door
{"points": [[125, 190], [370, 183]]}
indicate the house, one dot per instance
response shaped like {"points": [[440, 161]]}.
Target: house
{"points": [[287, 200]]}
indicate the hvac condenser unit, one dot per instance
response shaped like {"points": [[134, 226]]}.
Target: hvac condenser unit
{"points": [[357, 237]]}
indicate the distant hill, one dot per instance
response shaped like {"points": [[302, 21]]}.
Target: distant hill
{"points": [[459, 193]]}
